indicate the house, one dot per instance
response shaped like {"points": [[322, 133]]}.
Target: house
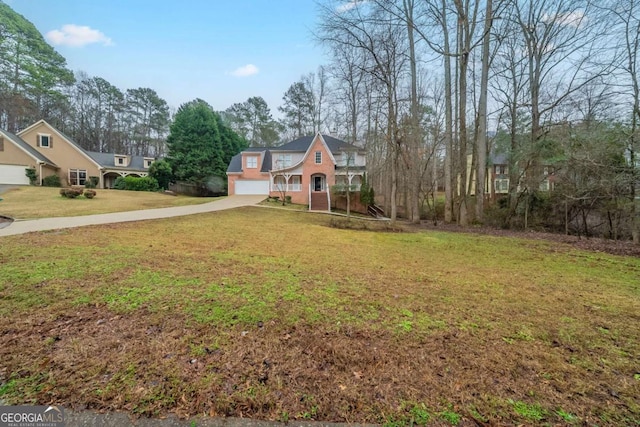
{"points": [[304, 169], [50, 152], [497, 176], [16, 156]]}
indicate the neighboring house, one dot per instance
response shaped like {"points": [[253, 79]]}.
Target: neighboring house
{"points": [[16, 156], [497, 176], [52, 152], [304, 169]]}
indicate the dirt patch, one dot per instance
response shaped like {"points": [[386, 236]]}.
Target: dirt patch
{"points": [[226, 314], [150, 365], [614, 247]]}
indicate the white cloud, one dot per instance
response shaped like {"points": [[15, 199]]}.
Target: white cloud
{"points": [[77, 36], [245, 71], [349, 5], [572, 19]]}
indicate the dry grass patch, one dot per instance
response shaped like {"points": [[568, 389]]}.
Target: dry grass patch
{"points": [[46, 202], [275, 315]]}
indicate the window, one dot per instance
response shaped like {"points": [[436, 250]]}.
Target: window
{"points": [[147, 162], [1, 144], [295, 183], [544, 185], [501, 169], [120, 161], [77, 176], [44, 141], [252, 162], [349, 159], [502, 185], [284, 161], [318, 157], [280, 183]]}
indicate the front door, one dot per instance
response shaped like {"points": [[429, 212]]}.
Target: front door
{"points": [[318, 183]]}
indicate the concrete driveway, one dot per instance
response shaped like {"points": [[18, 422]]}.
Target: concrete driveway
{"points": [[21, 227], [6, 187]]}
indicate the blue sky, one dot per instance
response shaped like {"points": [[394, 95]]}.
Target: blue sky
{"points": [[220, 51]]}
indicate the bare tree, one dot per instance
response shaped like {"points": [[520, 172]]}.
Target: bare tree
{"points": [[560, 45], [626, 20], [481, 137], [373, 31]]}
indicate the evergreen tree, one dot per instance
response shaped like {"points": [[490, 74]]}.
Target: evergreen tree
{"points": [[161, 171], [33, 75], [195, 149]]}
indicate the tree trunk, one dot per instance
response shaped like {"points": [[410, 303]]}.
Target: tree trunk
{"points": [[481, 138], [448, 131]]}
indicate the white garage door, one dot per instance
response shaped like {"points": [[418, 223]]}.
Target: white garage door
{"points": [[12, 174], [252, 187]]}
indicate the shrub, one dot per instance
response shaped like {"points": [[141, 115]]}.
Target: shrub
{"points": [[133, 183], [32, 175], [89, 194], [162, 172], [119, 183], [51, 181], [70, 193], [92, 182], [287, 199], [367, 195]]}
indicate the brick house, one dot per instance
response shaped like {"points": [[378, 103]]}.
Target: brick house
{"points": [[304, 169]]}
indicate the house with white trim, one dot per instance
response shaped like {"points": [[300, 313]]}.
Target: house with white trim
{"points": [[304, 169], [50, 152]]}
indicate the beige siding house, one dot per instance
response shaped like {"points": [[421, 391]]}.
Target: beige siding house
{"points": [[49, 151], [16, 156]]}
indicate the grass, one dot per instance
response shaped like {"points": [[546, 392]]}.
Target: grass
{"points": [[46, 202], [276, 315]]}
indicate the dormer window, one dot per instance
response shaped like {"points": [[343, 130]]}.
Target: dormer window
{"points": [[122, 161], [147, 162], [252, 162], [44, 141]]}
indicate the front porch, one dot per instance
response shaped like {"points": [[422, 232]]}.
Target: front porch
{"points": [[109, 176]]}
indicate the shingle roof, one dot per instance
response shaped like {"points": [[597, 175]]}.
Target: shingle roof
{"points": [[302, 144], [235, 165], [298, 145], [107, 160], [24, 145], [498, 159]]}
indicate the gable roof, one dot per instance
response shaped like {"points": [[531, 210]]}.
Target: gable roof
{"points": [[108, 160], [235, 165], [20, 143], [302, 144], [63, 136], [498, 159]]}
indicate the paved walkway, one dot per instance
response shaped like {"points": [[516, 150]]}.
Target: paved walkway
{"points": [[27, 226]]}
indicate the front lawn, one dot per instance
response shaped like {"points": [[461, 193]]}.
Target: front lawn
{"points": [[274, 315], [46, 202]]}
